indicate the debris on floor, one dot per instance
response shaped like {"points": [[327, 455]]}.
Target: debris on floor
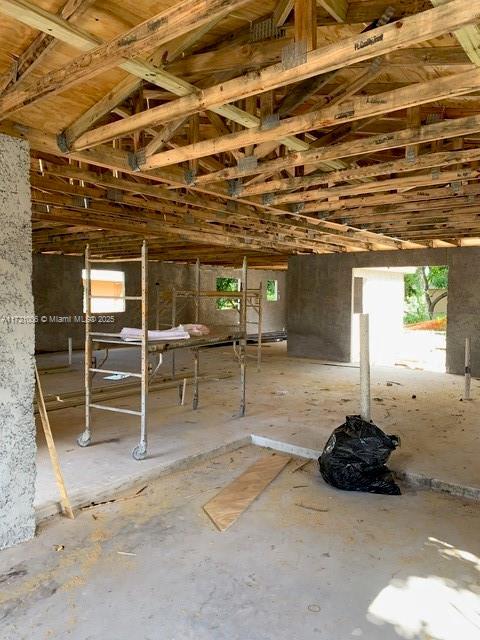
{"points": [[225, 508], [355, 455]]}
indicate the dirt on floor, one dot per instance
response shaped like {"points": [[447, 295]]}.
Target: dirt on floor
{"points": [[295, 400], [304, 561]]}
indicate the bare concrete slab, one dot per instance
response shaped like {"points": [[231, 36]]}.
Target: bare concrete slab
{"points": [[292, 400], [304, 561]]}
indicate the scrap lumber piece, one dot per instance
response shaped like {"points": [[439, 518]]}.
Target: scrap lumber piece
{"points": [[64, 499], [225, 508]]}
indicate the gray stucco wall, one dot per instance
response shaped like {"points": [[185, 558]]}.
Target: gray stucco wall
{"points": [[319, 298], [58, 291], [17, 425]]}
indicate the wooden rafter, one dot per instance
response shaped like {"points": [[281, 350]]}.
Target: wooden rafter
{"points": [[381, 41], [63, 31], [358, 108], [167, 25], [271, 131]]}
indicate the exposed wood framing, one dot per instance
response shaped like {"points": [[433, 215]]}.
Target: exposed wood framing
{"points": [[163, 27], [241, 129], [381, 41]]}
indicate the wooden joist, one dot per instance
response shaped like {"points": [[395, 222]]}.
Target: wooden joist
{"points": [[42, 45], [336, 8], [426, 161], [424, 26], [468, 37], [357, 109], [167, 25], [426, 133], [80, 39]]}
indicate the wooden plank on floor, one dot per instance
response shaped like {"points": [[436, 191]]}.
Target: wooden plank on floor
{"points": [[225, 508]]}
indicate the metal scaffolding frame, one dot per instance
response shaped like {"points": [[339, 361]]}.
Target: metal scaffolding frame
{"points": [[99, 340], [85, 437], [253, 300]]}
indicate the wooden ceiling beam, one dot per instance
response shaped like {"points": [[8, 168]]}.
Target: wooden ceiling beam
{"points": [[380, 41], [402, 183], [281, 12], [166, 25], [396, 202], [43, 142], [336, 8], [112, 99], [426, 161], [468, 37], [252, 55], [42, 45], [59, 193], [63, 31], [357, 109], [373, 144]]}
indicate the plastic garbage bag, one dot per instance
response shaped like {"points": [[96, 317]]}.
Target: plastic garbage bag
{"points": [[355, 455]]}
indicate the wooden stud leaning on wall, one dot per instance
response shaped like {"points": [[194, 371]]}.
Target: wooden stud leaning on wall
{"points": [[52, 451]]}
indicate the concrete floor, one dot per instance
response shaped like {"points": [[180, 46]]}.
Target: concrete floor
{"points": [[299, 401], [154, 567]]}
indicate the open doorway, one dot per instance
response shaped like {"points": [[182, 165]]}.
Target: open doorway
{"points": [[425, 318], [408, 315]]}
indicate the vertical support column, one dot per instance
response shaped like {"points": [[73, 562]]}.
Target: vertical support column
{"points": [[85, 438], [174, 323], [468, 372], [17, 340], [197, 291], [243, 338], [140, 450], [365, 403], [196, 372], [70, 351], [305, 27], [157, 306], [260, 320]]}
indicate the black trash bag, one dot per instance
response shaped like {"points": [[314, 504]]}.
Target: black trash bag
{"points": [[355, 455]]}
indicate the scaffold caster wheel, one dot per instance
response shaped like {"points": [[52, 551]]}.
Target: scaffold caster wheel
{"points": [[83, 440], [140, 452]]}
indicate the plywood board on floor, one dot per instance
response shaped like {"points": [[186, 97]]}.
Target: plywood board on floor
{"points": [[225, 508]]}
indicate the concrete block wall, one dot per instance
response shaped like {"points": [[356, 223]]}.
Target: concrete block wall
{"points": [[58, 291], [319, 300], [17, 425]]}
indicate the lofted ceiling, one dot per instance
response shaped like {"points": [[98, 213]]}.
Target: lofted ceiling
{"points": [[219, 128]]}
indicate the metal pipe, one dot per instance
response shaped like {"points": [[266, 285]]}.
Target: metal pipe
{"points": [[70, 349], [196, 371], [104, 407], [157, 306], [243, 338], [468, 372], [84, 438], [259, 326], [365, 400], [174, 322], [197, 290], [142, 446]]}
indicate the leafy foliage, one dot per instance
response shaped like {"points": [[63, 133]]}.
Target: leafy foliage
{"points": [[272, 291], [227, 284], [419, 301]]}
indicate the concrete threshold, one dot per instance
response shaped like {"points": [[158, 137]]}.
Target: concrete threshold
{"points": [[411, 478], [83, 498], [80, 499]]}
